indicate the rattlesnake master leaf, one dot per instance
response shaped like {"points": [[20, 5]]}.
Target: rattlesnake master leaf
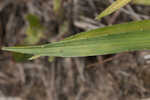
{"points": [[113, 7], [114, 29], [113, 39]]}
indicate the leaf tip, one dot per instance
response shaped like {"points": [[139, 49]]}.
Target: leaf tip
{"points": [[8, 48], [4, 48], [98, 18], [34, 57]]}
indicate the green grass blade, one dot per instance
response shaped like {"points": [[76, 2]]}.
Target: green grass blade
{"points": [[128, 37], [115, 5]]}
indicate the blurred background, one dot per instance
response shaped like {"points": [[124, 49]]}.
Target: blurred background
{"points": [[123, 76]]}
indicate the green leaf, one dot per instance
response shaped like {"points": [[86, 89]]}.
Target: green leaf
{"points": [[34, 33], [143, 2], [118, 28], [113, 39], [34, 30], [57, 5], [115, 5], [19, 57], [33, 20]]}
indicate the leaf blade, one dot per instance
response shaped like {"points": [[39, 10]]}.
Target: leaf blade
{"points": [[137, 37], [93, 46], [113, 7]]}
